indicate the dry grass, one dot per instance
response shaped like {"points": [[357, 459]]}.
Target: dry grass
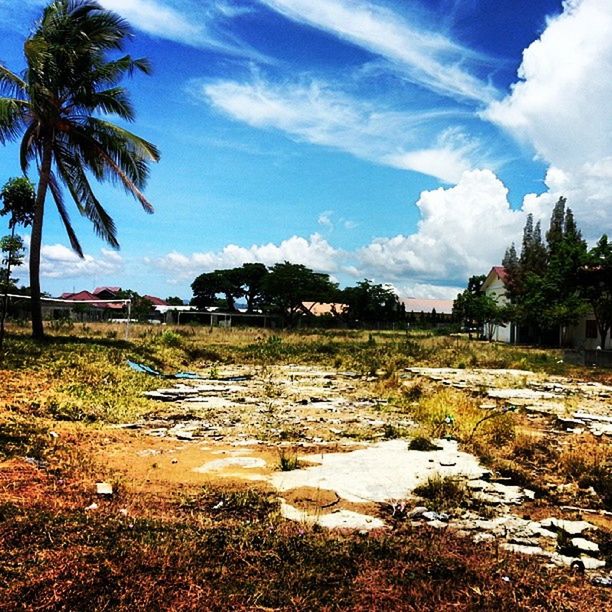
{"points": [[229, 549], [219, 549]]}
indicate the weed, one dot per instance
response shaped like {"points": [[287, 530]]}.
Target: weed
{"points": [[287, 459], [590, 466], [443, 492], [19, 437], [392, 432], [171, 339], [421, 443]]}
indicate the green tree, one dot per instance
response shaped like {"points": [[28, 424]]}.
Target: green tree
{"points": [[595, 279], [174, 301], [288, 285], [477, 310], [252, 278], [542, 283], [370, 303], [17, 201], [207, 286], [58, 106]]}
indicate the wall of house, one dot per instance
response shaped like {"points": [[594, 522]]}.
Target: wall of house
{"points": [[577, 335], [503, 333], [494, 287]]}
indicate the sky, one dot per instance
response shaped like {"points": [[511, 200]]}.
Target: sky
{"points": [[402, 141]]}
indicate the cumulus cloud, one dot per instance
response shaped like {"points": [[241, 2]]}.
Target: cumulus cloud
{"points": [[560, 105], [428, 58], [319, 114], [428, 291], [463, 230], [314, 252], [58, 261]]}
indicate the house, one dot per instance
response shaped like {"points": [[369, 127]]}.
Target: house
{"points": [[155, 300], [107, 293], [495, 287], [583, 336]]}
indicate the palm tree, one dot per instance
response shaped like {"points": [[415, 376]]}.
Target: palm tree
{"points": [[57, 107]]}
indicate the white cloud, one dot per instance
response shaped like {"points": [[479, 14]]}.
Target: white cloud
{"points": [[428, 291], [325, 219], [427, 57], [154, 18], [561, 106], [315, 113], [190, 22], [58, 261], [314, 252], [463, 231]]}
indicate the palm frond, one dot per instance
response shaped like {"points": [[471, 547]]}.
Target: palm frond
{"points": [[12, 113], [74, 177], [114, 101], [12, 85], [28, 148], [56, 192], [112, 153]]}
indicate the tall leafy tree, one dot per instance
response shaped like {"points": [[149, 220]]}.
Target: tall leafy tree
{"points": [[252, 277], [371, 303], [595, 279], [206, 287], [57, 106], [566, 254], [477, 310], [18, 202], [287, 285]]}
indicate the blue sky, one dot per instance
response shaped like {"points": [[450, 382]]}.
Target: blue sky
{"points": [[400, 141]]}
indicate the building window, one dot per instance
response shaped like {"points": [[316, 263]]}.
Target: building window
{"points": [[591, 328]]}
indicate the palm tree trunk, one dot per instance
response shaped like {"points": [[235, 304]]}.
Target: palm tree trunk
{"points": [[38, 332]]}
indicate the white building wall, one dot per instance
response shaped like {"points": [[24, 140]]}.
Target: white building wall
{"points": [[495, 288]]}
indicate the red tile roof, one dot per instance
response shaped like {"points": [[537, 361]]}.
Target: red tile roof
{"points": [[155, 300], [114, 290], [501, 272], [86, 296]]}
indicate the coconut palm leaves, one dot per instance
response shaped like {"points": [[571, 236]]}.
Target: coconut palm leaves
{"points": [[57, 107]]}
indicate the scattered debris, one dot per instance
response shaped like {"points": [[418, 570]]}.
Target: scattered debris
{"points": [[104, 488]]}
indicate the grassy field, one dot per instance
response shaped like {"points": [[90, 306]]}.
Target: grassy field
{"points": [[227, 547]]}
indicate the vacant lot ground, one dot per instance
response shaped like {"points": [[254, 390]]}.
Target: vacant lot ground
{"points": [[300, 471]]}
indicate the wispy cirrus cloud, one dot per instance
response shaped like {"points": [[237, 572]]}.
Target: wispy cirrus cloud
{"points": [[190, 22], [426, 57], [314, 112]]}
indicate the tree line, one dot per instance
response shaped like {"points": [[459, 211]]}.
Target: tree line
{"points": [[551, 284], [283, 288]]}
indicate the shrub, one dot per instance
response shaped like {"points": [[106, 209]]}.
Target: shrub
{"points": [[421, 443], [443, 492]]}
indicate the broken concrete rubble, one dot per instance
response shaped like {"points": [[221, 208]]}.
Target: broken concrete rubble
{"points": [[313, 409]]}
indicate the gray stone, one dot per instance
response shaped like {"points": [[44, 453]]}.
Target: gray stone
{"points": [[585, 545], [569, 527]]}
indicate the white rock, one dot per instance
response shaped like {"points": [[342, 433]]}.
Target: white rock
{"points": [[569, 527], [585, 545], [104, 488]]}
